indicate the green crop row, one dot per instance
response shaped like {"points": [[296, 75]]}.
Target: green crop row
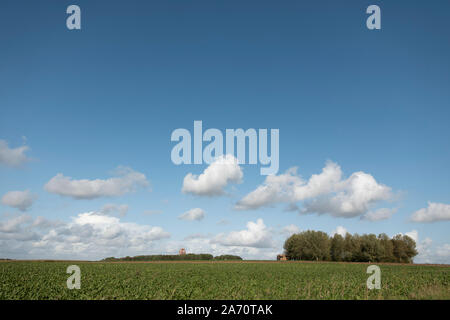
{"points": [[216, 280]]}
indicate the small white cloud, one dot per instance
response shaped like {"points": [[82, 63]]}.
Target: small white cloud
{"points": [[215, 178], [339, 230], [414, 234], [21, 200], [127, 180], [14, 224], [290, 230], [257, 235], [193, 214], [112, 208], [434, 212], [12, 157], [379, 214]]}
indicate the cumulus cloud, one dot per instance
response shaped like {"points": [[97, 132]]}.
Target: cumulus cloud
{"points": [[14, 224], [289, 230], [434, 212], [90, 235], [193, 214], [223, 171], [12, 157], [324, 193], [427, 251], [340, 230], [21, 200], [257, 235], [379, 214], [127, 180], [414, 234]]}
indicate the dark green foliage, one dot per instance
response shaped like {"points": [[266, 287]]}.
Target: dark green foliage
{"points": [[318, 246], [164, 257], [337, 248], [308, 245], [227, 257]]}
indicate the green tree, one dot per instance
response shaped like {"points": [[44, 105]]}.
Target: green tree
{"points": [[308, 245], [337, 248]]}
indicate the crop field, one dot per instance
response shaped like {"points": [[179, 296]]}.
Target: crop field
{"points": [[221, 280]]}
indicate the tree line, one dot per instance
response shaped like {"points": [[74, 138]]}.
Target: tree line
{"points": [[318, 246], [174, 257]]}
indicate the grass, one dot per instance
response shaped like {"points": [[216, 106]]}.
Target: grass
{"points": [[221, 280]]}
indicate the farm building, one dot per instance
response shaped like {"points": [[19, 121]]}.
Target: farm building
{"points": [[281, 257], [182, 251]]}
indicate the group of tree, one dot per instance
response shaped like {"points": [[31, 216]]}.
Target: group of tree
{"points": [[318, 246], [174, 257], [227, 257]]}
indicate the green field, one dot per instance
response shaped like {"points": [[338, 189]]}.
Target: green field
{"points": [[221, 280]]}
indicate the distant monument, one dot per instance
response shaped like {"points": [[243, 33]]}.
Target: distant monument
{"points": [[182, 251]]}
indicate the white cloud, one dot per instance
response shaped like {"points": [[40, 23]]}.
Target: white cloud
{"points": [[13, 225], [379, 214], [112, 208], [339, 230], [12, 157], [414, 234], [427, 252], [127, 180], [90, 235], [257, 235], [193, 214], [434, 212], [215, 178], [21, 200], [291, 229], [322, 193]]}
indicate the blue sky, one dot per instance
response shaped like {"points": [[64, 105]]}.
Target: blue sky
{"points": [[87, 101]]}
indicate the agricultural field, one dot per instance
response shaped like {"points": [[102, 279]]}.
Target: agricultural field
{"points": [[221, 280]]}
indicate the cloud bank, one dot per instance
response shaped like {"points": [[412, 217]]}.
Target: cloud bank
{"points": [[126, 181], [90, 235]]}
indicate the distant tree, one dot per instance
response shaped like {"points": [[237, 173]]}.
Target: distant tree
{"points": [[387, 248], [337, 251], [317, 245], [227, 257], [351, 246], [308, 245], [369, 249], [404, 248]]}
